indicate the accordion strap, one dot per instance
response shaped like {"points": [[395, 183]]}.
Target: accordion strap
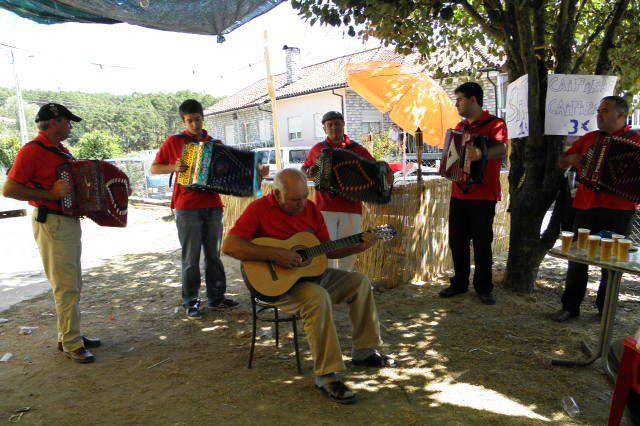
{"points": [[56, 151]]}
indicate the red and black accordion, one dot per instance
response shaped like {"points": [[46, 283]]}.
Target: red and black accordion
{"points": [[612, 165], [99, 191], [455, 164], [347, 174]]}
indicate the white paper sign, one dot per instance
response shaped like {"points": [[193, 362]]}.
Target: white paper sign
{"points": [[517, 111], [572, 102]]}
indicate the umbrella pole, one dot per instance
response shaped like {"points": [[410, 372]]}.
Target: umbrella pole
{"points": [[419, 149]]}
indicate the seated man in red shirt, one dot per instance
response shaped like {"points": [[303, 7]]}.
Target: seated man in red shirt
{"points": [[596, 211], [281, 214], [33, 178]]}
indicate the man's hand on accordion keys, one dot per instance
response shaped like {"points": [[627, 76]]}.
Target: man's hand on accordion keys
{"points": [[59, 190], [180, 166], [474, 153]]}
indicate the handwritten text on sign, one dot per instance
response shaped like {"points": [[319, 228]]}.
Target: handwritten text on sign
{"points": [[517, 111], [572, 102]]}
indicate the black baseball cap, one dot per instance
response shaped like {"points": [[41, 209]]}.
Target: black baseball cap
{"points": [[51, 110], [332, 115]]}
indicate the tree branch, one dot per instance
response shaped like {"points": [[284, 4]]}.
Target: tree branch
{"points": [[565, 34], [585, 47], [484, 23], [604, 63]]}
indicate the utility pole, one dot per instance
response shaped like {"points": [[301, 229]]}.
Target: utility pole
{"points": [[272, 95], [24, 137]]}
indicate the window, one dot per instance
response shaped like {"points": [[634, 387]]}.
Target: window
{"points": [[370, 127], [263, 157], [371, 120], [635, 119], [230, 134], [264, 131], [294, 125], [318, 129], [298, 155]]}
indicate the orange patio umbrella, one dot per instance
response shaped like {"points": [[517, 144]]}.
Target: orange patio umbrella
{"points": [[412, 98]]}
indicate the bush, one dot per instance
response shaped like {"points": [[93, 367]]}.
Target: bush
{"points": [[97, 145], [9, 147], [384, 147]]}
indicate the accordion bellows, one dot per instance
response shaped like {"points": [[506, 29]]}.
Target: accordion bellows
{"points": [[454, 164], [218, 168], [347, 174], [612, 165], [99, 191]]}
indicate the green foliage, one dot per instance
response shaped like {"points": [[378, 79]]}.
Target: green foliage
{"points": [[384, 147], [9, 147], [139, 121], [97, 145]]}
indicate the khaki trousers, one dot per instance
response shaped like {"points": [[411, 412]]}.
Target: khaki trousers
{"points": [[313, 301], [60, 248]]}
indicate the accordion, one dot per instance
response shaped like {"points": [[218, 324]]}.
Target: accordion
{"points": [[455, 164], [214, 167], [347, 174], [99, 191], [612, 165]]}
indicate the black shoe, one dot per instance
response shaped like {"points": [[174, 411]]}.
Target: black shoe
{"points": [[562, 315], [375, 360], [224, 303], [88, 343], [338, 392], [80, 355], [487, 299], [193, 311], [451, 291]]}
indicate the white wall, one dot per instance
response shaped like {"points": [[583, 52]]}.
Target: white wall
{"points": [[306, 106]]}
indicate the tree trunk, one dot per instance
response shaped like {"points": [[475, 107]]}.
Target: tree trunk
{"points": [[523, 260]]}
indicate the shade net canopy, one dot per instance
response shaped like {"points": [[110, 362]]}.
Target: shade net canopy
{"points": [[209, 17]]}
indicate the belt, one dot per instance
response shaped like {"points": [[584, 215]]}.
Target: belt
{"points": [[56, 212]]}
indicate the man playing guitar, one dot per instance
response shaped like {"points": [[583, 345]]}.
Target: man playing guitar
{"points": [[280, 215]]}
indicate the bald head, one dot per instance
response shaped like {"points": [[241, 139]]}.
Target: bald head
{"points": [[290, 189]]}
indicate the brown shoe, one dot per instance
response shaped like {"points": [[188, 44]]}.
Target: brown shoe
{"points": [[88, 343], [80, 355]]}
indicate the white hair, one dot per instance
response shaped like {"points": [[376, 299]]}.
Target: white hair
{"points": [[280, 178]]}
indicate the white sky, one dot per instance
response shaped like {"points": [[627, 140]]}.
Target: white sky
{"points": [[59, 57]]}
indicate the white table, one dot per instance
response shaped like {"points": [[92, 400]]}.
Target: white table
{"points": [[616, 269]]}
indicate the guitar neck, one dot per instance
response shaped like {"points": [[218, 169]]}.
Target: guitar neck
{"points": [[330, 246]]}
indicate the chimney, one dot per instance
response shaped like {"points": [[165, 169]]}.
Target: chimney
{"points": [[293, 63]]}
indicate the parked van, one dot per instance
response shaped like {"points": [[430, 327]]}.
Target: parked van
{"points": [[291, 156]]}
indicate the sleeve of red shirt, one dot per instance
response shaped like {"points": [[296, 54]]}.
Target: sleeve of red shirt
{"points": [[164, 153], [577, 147], [247, 224], [24, 167], [499, 132], [314, 153]]}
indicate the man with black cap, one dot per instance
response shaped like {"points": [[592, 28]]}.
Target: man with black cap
{"points": [[33, 178], [342, 216]]}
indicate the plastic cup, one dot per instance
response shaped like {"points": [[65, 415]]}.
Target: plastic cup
{"points": [[593, 243], [606, 249], [583, 235], [566, 238], [623, 250], [616, 238]]}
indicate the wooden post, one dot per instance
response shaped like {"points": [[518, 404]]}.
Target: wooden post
{"points": [[419, 154], [272, 95]]}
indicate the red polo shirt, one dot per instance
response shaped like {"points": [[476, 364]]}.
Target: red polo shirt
{"points": [[264, 218], [184, 198], [36, 167], [586, 198], [336, 203], [489, 189]]}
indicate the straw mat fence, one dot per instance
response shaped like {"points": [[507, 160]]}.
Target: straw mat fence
{"points": [[419, 213]]}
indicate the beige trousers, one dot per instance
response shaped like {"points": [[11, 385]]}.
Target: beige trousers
{"points": [[313, 301], [60, 248], [342, 225]]}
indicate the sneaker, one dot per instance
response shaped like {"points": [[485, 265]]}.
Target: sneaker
{"points": [[80, 355], [193, 311], [487, 299], [224, 303]]}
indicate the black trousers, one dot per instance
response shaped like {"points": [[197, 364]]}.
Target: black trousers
{"points": [[597, 220], [472, 220]]}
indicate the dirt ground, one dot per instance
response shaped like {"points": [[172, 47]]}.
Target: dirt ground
{"points": [[461, 362]]}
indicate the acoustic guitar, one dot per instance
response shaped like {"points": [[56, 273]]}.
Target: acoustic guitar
{"points": [[270, 281]]}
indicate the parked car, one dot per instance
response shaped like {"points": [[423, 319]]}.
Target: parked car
{"points": [[291, 156]]}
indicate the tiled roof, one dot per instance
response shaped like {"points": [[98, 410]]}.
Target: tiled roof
{"points": [[330, 75]]}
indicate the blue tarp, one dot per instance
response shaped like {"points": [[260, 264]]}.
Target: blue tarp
{"points": [[188, 16]]}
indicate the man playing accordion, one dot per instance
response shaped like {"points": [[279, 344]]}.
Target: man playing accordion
{"points": [[33, 178], [472, 207], [596, 211]]}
